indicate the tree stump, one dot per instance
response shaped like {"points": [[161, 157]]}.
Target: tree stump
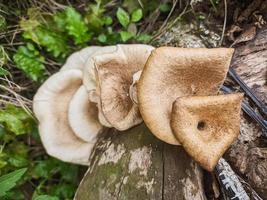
{"points": [[135, 165]]}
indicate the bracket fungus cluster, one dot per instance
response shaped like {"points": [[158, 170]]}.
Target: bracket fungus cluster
{"points": [[174, 90], [89, 92]]}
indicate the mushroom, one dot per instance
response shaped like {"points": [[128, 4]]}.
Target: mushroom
{"points": [[90, 82], [50, 105], [82, 113], [89, 79], [206, 126], [78, 59], [82, 116], [114, 73], [176, 72]]}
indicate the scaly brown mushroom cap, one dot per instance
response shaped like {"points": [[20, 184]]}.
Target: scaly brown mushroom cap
{"points": [[114, 73], [176, 72], [206, 126], [50, 105]]}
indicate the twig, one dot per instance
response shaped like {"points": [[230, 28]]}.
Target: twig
{"points": [[250, 112], [248, 91], [232, 187], [224, 23], [169, 15]]}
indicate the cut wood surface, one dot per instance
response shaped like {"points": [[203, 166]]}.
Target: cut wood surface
{"points": [[136, 165]]}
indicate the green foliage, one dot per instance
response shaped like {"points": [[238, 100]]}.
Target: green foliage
{"points": [[2, 23], [165, 7], [3, 60], [125, 36], [8, 181], [16, 120], [75, 26], [46, 37], [137, 15], [123, 17], [29, 60], [45, 197]]}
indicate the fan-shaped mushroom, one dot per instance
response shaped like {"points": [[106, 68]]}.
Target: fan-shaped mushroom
{"points": [[83, 113], [78, 59], [90, 82], [50, 106], [175, 72], [89, 79], [82, 116], [114, 76], [206, 125]]}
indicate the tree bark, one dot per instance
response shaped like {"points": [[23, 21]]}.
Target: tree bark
{"points": [[248, 155]]}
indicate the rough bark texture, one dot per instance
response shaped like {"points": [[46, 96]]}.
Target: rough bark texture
{"points": [[249, 154], [136, 165]]}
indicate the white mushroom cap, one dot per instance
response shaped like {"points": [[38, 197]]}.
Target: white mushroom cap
{"points": [[90, 82], [83, 116], [83, 113], [114, 72], [50, 106], [78, 59], [89, 79]]}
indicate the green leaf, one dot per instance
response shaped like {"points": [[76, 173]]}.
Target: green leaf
{"points": [[123, 17], [30, 62], [2, 23], [16, 120], [18, 161], [144, 38], [95, 19], [45, 168], [3, 72], [66, 191], [125, 36], [136, 15], [3, 60], [76, 26], [54, 42], [165, 7], [108, 20], [45, 197], [8, 181], [102, 38]]}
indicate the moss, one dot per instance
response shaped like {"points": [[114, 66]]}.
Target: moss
{"points": [[110, 180]]}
